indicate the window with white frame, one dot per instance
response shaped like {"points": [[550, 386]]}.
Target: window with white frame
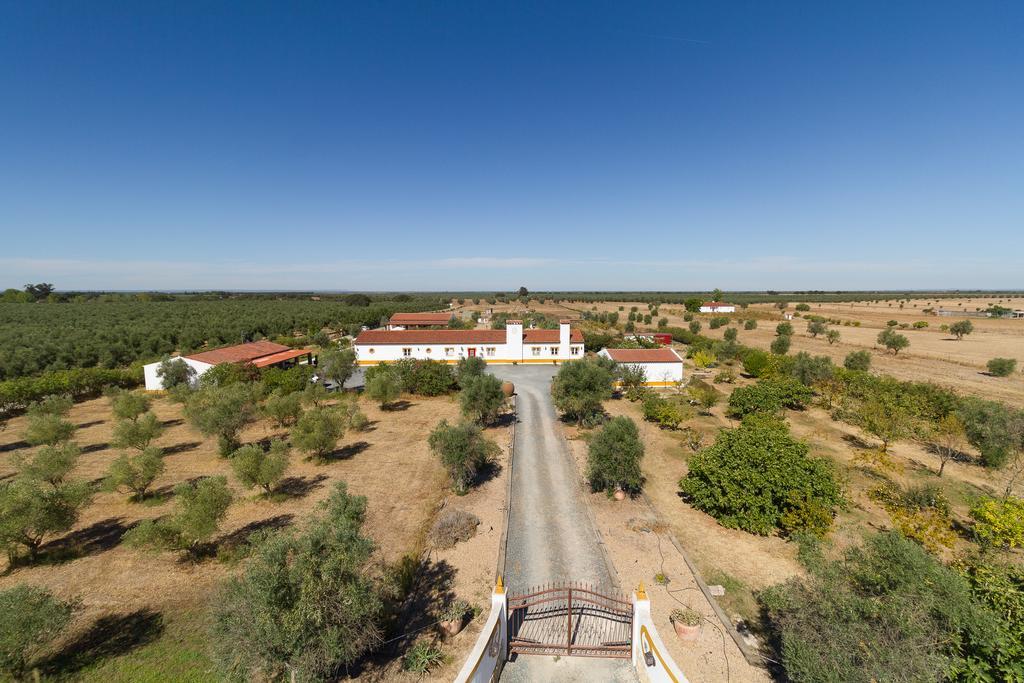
{"points": [[554, 350], [575, 350], [491, 350], [536, 350], [406, 351], [449, 350]]}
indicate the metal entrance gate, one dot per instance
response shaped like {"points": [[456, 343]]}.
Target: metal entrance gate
{"points": [[570, 619]]}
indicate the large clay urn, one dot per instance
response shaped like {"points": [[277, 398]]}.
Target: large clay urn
{"points": [[508, 389]]}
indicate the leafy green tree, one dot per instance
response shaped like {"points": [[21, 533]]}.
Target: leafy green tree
{"points": [[886, 611], [993, 428], [816, 327], [129, 405], [284, 409], [255, 466], [730, 334], [832, 336], [802, 307], [227, 374], [464, 451], [1002, 367], [174, 372], [769, 396], [30, 619], [694, 327], [51, 464], [201, 507], [337, 365], [31, 509], [784, 329], [858, 360], [750, 324], [631, 378], [222, 411], [613, 457], [287, 380], [692, 304], [48, 429], [306, 604], [136, 473], [138, 433], [755, 362], [885, 419], [482, 399], [961, 329], [579, 389], [892, 340], [662, 323], [949, 436], [746, 479], [318, 431], [810, 370], [780, 345], [469, 368], [383, 387]]}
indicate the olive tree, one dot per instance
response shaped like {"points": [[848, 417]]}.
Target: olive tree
{"points": [[816, 327], [174, 372], [469, 368], [222, 411], [136, 473], [857, 360], [202, 506], [579, 389], [337, 365], [780, 345], [50, 464], [893, 341], [318, 431], [383, 387], [30, 619], [129, 405], [613, 457], [284, 409], [137, 433], [961, 329], [832, 336], [31, 510], [482, 399], [255, 466], [47, 429], [464, 451]]}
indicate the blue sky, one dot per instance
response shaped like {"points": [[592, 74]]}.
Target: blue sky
{"points": [[443, 145]]}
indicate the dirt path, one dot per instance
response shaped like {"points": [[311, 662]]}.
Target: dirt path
{"points": [[550, 537]]}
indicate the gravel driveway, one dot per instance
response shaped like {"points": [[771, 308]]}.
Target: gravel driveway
{"points": [[550, 537]]}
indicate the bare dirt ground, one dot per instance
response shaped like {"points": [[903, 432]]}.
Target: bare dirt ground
{"points": [[390, 464]]}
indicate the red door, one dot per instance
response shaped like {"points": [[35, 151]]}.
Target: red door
{"points": [[471, 352]]}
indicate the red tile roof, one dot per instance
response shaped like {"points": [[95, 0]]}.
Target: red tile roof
{"points": [[239, 353], [459, 337], [644, 356], [550, 336], [275, 358]]}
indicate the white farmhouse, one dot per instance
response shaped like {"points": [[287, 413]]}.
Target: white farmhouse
{"points": [[662, 367], [511, 345], [261, 354], [717, 307]]}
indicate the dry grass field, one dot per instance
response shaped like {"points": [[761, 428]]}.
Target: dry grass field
{"points": [[142, 614]]}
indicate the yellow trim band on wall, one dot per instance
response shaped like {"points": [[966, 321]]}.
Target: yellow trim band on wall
{"points": [[650, 644]]}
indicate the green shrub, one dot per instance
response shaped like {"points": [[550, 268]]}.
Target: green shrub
{"points": [[136, 473], [755, 362], [48, 430], [474, 366], [991, 427], [802, 307], [30, 619], [769, 396], [422, 657], [128, 405], [857, 360], [290, 380], [1002, 367], [730, 334], [755, 474], [383, 386], [784, 329], [809, 370], [306, 603], [464, 451], [750, 324], [613, 457], [283, 409], [884, 612], [78, 383], [703, 394], [138, 433], [999, 522], [579, 389], [222, 412], [668, 414], [694, 326], [718, 321]]}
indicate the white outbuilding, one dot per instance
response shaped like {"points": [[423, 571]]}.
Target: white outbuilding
{"points": [[662, 367], [717, 307], [260, 354]]}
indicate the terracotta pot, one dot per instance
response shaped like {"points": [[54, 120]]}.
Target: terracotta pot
{"points": [[508, 389], [620, 494], [451, 628], [685, 631]]}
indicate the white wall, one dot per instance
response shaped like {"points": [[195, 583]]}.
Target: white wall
{"points": [[657, 374], [487, 658], [720, 309], [154, 383], [512, 351], [646, 639]]}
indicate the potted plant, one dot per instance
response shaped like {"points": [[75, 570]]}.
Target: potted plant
{"points": [[619, 494], [453, 618], [686, 622]]}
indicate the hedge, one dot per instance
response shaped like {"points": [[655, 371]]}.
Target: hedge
{"points": [[16, 394]]}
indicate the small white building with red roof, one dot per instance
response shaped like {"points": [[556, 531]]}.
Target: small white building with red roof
{"points": [[512, 345], [260, 354], [662, 367]]}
